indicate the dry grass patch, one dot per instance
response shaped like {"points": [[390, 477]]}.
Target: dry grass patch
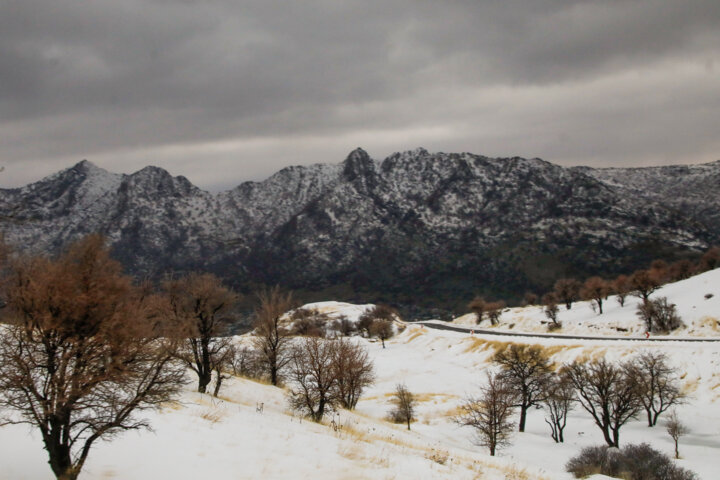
{"points": [[213, 415]]}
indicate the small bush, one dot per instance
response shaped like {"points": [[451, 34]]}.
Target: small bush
{"points": [[659, 315], [708, 296], [633, 462]]}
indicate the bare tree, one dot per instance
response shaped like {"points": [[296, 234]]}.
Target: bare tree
{"points": [[271, 337], [559, 399], [658, 386], [489, 414], [383, 329], [526, 371], [221, 365], [198, 304], [608, 393], [567, 290], [312, 376], [404, 405], [622, 288], [596, 290], [82, 352], [353, 372], [676, 429]]}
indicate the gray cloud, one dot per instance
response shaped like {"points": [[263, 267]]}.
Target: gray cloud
{"points": [[221, 90]]}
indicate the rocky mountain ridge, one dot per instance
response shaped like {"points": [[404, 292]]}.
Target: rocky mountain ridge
{"points": [[418, 227]]}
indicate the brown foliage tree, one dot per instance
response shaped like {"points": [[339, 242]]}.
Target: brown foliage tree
{"points": [[489, 414], [353, 372], [271, 337], [494, 311], [567, 290], [608, 393], [596, 290], [478, 307], [530, 298], [681, 270], [404, 405], [198, 303], [383, 329], [658, 385], [82, 352], [710, 260], [526, 371], [644, 283], [622, 288]]}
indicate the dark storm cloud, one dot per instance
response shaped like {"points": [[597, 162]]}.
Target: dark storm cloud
{"points": [[217, 90]]}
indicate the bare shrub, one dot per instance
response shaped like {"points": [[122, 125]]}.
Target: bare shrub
{"points": [[344, 326], [489, 414], [659, 315], [309, 322], [404, 405], [633, 462], [82, 352]]}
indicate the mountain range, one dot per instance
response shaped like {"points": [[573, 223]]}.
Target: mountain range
{"points": [[417, 228]]}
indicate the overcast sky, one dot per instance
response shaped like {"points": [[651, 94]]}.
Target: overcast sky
{"points": [[223, 91]]}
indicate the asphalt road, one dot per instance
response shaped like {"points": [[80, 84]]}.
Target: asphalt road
{"points": [[480, 331]]}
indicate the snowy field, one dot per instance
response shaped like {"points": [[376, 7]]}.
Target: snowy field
{"points": [[200, 437]]}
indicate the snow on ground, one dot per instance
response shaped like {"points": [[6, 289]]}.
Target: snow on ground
{"points": [[701, 315], [199, 437]]}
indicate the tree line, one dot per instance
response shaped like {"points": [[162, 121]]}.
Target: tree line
{"points": [[656, 314], [611, 393]]}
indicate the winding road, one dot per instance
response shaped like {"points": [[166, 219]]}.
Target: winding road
{"points": [[480, 331]]}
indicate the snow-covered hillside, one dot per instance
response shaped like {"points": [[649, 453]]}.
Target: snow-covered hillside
{"points": [[229, 439], [697, 301]]}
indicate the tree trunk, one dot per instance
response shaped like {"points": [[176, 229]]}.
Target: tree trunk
{"points": [[273, 375], [599, 302], [523, 415], [492, 449], [677, 452], [650, 418], [616, 437], [203, 381], [383, 342]]}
